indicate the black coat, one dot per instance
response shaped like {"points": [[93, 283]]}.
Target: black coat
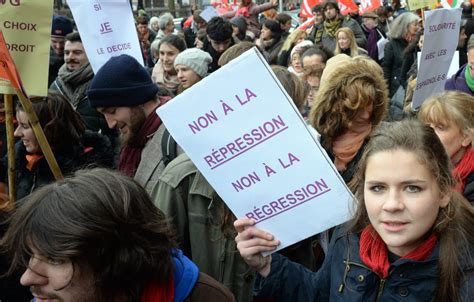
{"points": [[94, 150], [392, 63]]}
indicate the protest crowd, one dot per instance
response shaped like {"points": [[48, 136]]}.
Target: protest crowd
{"points": [[134, 219]]}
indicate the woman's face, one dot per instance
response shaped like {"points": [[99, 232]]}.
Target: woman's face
{"points": [[296, 62], [301, 38], [343, 40], [413, 28], [168, 54], [266, 33], [402, 199], [421, 41], [452, 138], [25, 133]]}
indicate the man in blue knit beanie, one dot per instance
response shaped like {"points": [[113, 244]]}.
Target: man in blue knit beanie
{"points": [[123, 91]]}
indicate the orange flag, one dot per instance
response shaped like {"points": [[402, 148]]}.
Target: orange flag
{"points": [[8, 70], [347, 6]]}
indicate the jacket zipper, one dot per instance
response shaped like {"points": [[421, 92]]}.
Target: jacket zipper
{"points": [[381, 288], [381, 285]]}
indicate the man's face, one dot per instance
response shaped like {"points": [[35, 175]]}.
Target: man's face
{"points": [[370, 23], [142, 29], [330, 13], [318, 17], [74, 55], [128, 120], [58, 280], [57, 43], [220, 46], [286, 27]]}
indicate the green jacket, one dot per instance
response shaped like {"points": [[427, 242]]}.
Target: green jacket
{"points": [[185, 196]]}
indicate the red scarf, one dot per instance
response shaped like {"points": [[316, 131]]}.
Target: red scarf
{"points": [[374, 254], [463, 169], [130, 156], [158, 293]]}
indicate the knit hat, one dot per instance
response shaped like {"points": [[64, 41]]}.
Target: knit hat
{"points": [[121, 82], [195, 59], [61, 26]]}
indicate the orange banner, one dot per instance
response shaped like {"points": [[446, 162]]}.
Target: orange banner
{"points": [[8, 70]]}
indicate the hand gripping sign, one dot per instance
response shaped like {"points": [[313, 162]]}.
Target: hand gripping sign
{"points": [[245, 135]]}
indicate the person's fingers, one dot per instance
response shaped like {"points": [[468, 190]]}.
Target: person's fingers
{"points": [[241, 224]]}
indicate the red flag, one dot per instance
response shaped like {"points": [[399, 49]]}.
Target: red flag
{"points": [[368, 6], [347, 6], [307, 23], [8, 71], [307, 6]]}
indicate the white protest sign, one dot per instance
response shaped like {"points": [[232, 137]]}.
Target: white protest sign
{"points": [[453, 68], [247, 138], [209, 13], [107, 30], [441, 35]]}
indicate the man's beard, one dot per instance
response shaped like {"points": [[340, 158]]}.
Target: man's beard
{"points": [[137, 119]]}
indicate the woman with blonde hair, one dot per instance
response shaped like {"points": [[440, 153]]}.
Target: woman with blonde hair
{"points": [[346, 43], [350, 103], [451, 114]]}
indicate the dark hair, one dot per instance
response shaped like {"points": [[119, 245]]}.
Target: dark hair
{"points": [[62, 125], [100, 219], [73, 37], [274, 27], [175, 41], [282, 18], [313, 51], [318, 8], [219, 29], [143, 20], [332, 4], [454, 223]]}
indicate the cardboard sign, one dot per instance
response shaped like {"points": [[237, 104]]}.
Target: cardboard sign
{"points": [[26, 27], [420, 4], [250, 142], [107, 30], [441, 35]]}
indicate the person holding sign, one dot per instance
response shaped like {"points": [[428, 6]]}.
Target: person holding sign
{"points": [[411, 236], [451, 114], [203, 221]]}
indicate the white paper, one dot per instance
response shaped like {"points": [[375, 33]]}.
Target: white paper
{"points": [[381, 47], [209, 13], [107, 30], [257, 152], [441, 35]]}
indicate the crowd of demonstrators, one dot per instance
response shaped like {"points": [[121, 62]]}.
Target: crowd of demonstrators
{"points": [[349, 99]]}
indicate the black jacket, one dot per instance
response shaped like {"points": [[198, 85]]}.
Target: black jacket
{"points": [[392, 63]]}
